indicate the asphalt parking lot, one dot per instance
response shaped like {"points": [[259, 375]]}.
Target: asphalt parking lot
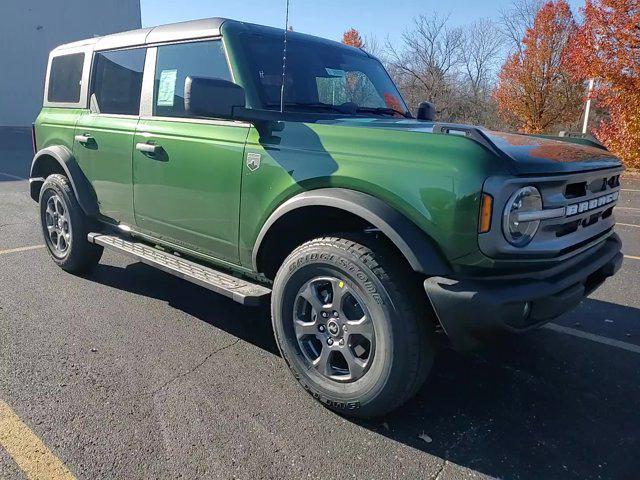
{"points": [[131, 373]]}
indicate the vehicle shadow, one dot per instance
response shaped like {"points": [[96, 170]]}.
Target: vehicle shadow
{"points": [[542, 405], [252, 325]]}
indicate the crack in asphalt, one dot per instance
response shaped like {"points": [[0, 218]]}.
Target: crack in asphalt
{"points": [[440, 469], [191, 370]]}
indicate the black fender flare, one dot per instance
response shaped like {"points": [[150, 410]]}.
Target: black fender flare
{"points": [[82, 188], [417, 247]]}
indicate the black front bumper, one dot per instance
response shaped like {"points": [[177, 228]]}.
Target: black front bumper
{"points": [[471, 311]]}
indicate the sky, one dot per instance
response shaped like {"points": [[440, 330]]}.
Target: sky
{"points": [[326, 18]]}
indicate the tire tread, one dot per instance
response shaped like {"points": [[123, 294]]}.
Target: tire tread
{"points": [[390, 271], [83, 255]]}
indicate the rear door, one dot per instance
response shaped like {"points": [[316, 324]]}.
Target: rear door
{"points": [[104, 133], [187, 171]]}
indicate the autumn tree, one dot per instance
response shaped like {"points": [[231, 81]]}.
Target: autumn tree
{"points": [[536, 91], [352, 37], [607, 48]]}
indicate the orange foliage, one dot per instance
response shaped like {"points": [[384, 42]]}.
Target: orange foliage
{"points": [[535, 91], [391, 101], [352, 37], [607, 48]]}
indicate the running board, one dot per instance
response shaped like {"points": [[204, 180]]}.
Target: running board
{"points": [[239, 290]]}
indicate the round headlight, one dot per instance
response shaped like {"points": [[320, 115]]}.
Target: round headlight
{"points": [[518, 232]]}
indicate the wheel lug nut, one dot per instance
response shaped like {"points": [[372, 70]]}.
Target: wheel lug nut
{"points": [[321, 328], [330, 341], [344, 327], [335, 314], [325, 314], [342, 342]]}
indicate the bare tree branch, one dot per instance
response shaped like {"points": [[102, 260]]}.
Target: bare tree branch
{"points": [[516, 19]]}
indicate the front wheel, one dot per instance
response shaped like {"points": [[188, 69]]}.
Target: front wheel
{"points": [[349, 325], [65, 226]]}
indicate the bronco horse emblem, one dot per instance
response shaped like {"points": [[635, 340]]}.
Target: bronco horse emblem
{"points": [[253, 161]]}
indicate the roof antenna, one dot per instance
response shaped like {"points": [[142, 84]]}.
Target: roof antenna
{"points": [[284, 59]]}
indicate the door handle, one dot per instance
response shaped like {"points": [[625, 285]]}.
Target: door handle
{"points": [[148, 148], [84, 139]]}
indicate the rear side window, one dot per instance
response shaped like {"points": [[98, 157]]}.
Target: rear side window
{"points": [[177, 62], [117, 81], [65, 78]]}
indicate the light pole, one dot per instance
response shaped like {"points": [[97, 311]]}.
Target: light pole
{"points": [[587, 108]]}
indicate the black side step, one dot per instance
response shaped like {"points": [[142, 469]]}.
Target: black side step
{"points": [[242, 291]]}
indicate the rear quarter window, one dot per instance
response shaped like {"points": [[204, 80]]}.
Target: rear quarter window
{"points": [[65, 78], [117, 81]]}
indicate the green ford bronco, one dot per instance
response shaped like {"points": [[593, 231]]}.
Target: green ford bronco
{"points": [[293, 172]]}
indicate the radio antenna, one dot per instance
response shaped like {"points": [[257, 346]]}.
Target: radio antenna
{"points": [[284, 59]]}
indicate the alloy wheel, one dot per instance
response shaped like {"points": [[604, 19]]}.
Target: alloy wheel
{"points": [[58, 225], [334, 329]]}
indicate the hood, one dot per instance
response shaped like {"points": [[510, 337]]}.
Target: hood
{"points": [[531, 154], [524, 154]]}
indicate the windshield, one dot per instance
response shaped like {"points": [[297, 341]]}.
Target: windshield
{"points": [[320, 77]]}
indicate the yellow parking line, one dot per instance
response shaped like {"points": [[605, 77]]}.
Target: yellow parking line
{"points": [[21, 249], [632, 257], [27, 450]]}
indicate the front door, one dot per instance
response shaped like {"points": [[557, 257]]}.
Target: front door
{"points": [[187, 171], [104, 134]]}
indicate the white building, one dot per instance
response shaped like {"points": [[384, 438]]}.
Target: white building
{"points": [[29, 29]]}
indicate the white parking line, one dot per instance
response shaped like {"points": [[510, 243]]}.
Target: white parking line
{"points": [[8, 175], [630, 347], [21, 249], [627, 224], [628, 190], [628, 208], [632, 257]]}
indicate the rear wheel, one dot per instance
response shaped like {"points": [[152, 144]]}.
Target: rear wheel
{"points": [[349, 325], [65, 226]]}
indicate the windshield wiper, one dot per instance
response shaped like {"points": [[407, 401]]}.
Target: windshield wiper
{"points": [[383, 111], [312, 105], [348, 108]]}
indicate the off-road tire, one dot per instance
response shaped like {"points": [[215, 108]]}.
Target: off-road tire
{"points": [[80, 256], [404, 326]]}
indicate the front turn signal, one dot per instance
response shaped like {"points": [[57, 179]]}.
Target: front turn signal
{"points": [[486, 207]]}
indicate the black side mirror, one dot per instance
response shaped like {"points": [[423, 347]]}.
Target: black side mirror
{"points": [[212, 97], [426, 111]]}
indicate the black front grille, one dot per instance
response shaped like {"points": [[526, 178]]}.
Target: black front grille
{"points": [[596, 185], [585, 201], [567, 228], [581, 244], [579, 189], [576, 190]]}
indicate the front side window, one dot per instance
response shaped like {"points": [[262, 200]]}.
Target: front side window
{"points": [[65, 78], [177, 62], [320, 76], [117, 81]]}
